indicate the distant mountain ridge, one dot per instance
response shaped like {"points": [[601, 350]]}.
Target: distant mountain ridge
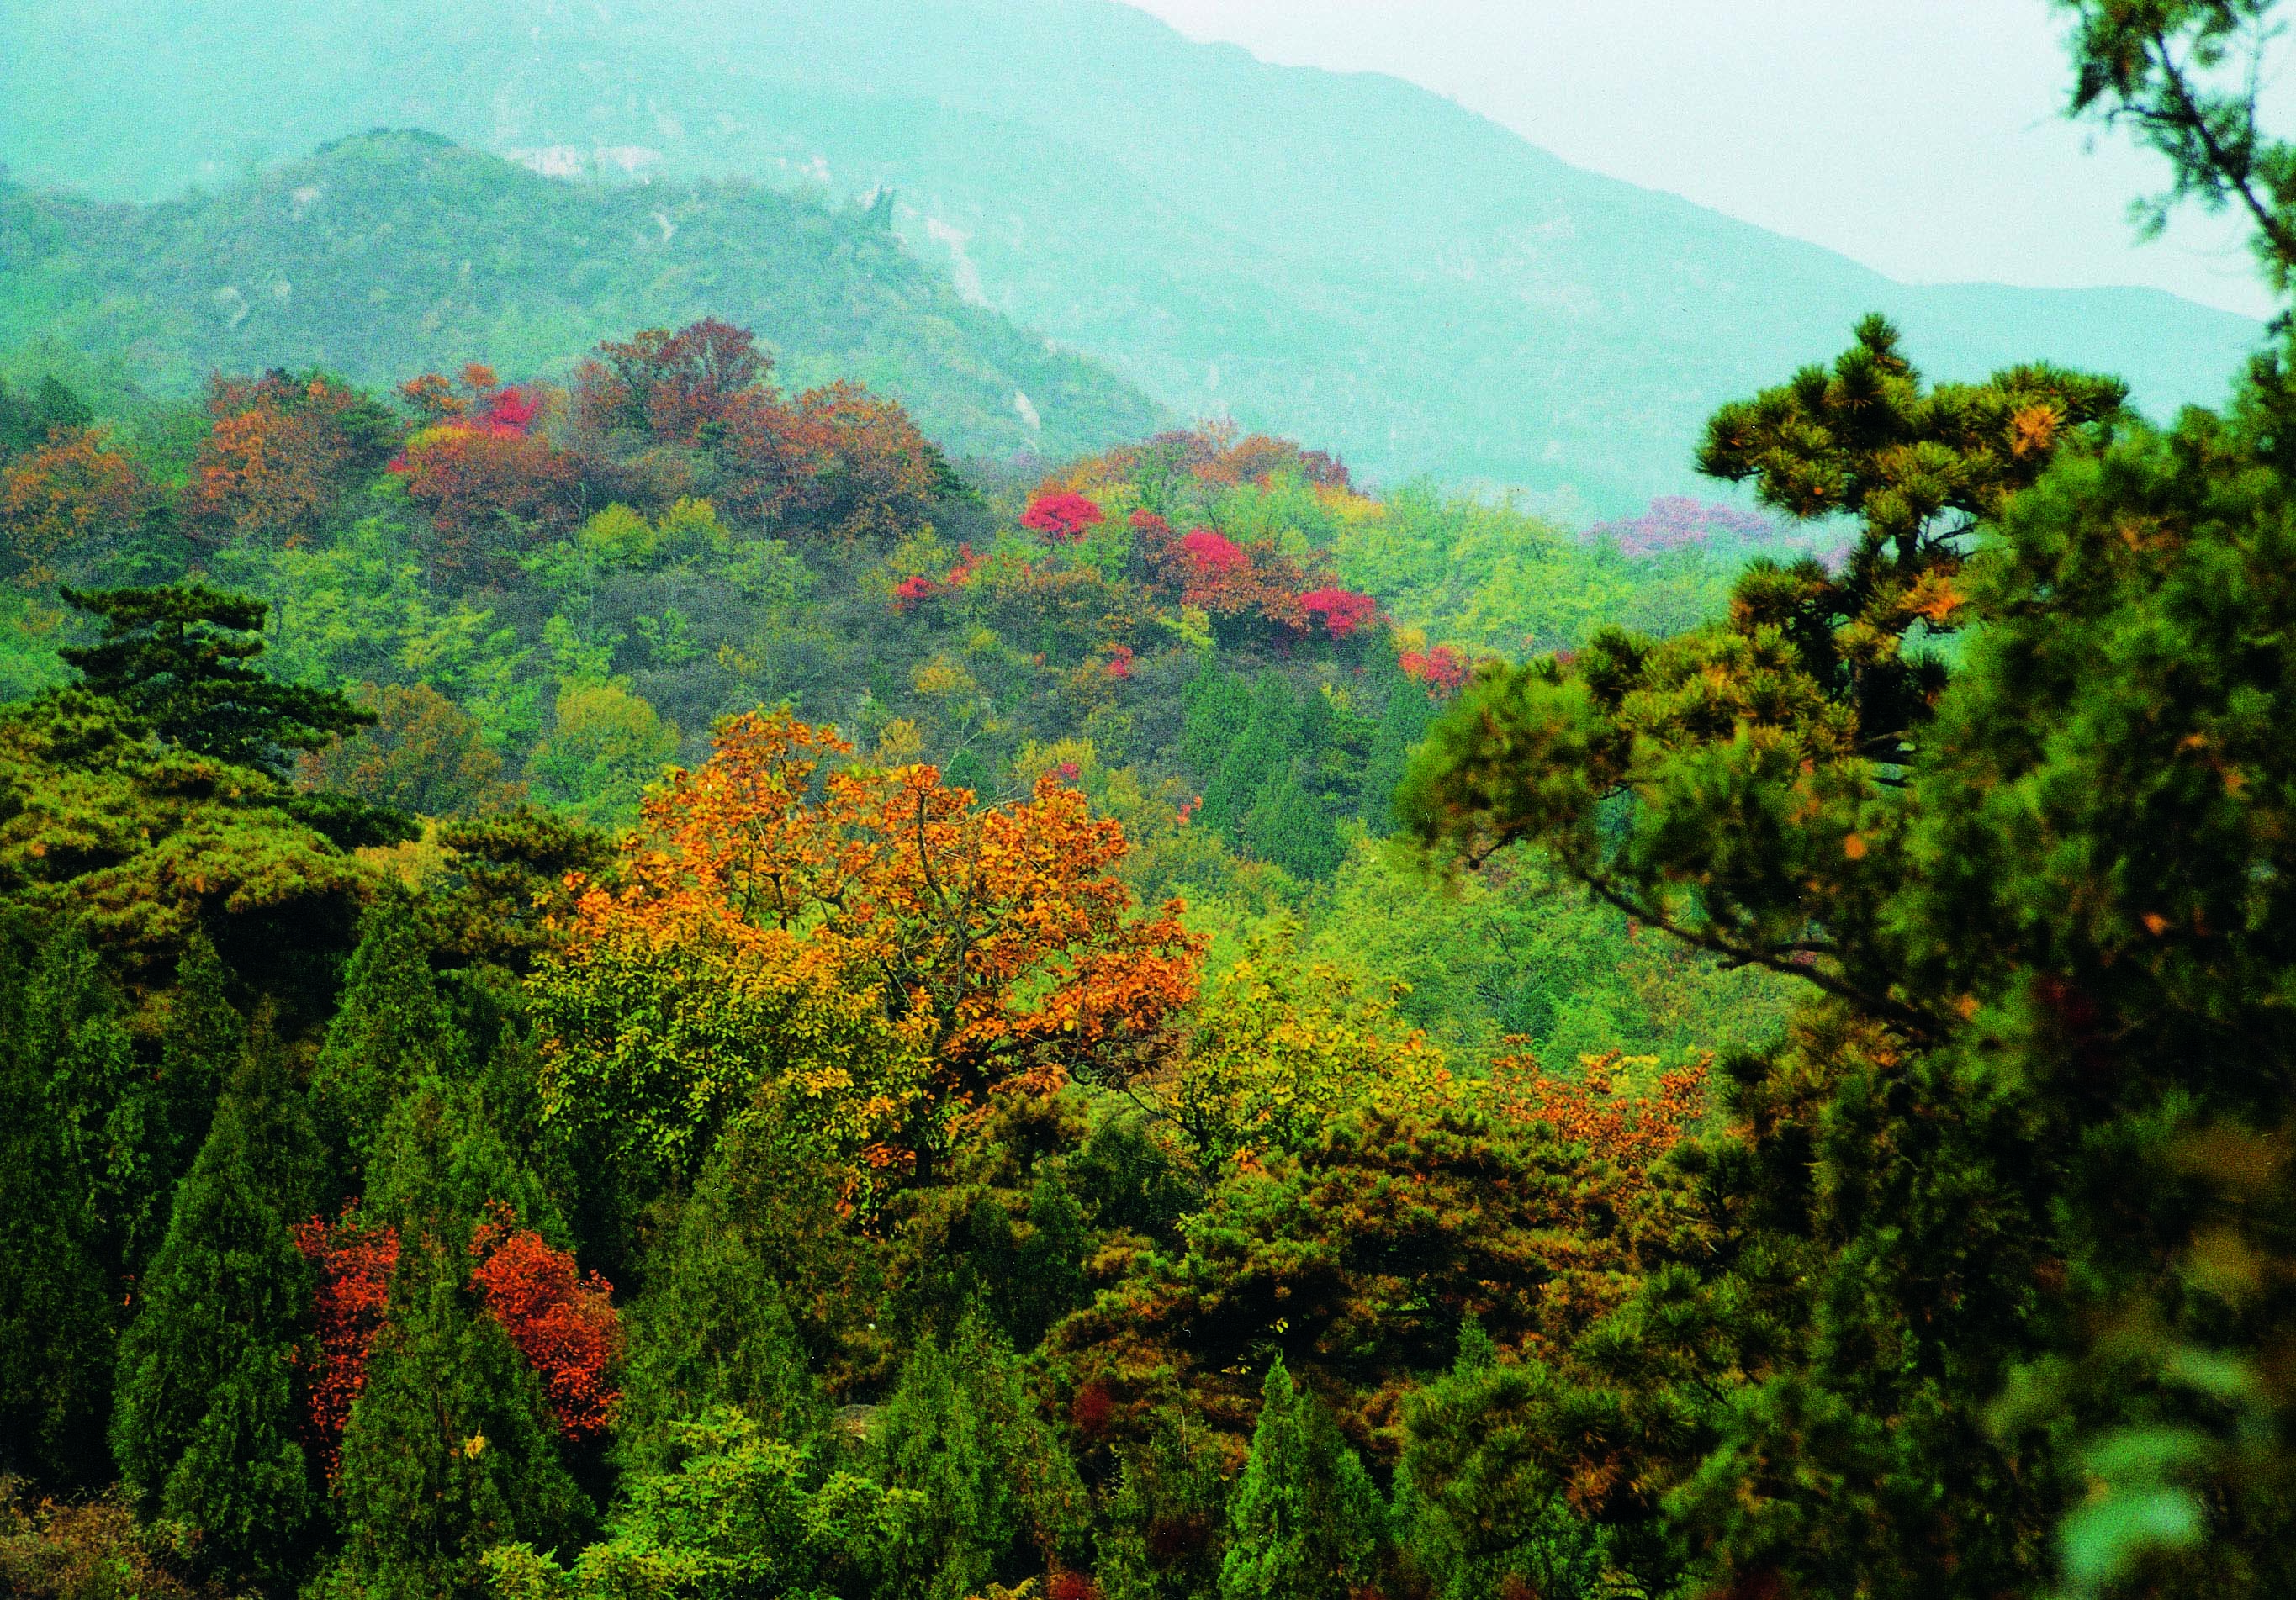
{"points": [[390, 253], [1345, 258]]}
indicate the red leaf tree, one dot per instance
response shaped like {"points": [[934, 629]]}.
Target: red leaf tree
{"points": [[354, 1264], [1341, 611], [562, 1322], [1062, 518]]}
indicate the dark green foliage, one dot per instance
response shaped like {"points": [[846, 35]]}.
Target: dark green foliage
{"points": [[113, 1116], [207, 1424], [391, 1028], [440, 1165], [26, 420], [450, 1448], [1477, 1511], [1001, 1499], [200, 1049], [1166, 1524], [712, 1330], [1409, 713], [1126, 1181], [179, 660], [1266, 749], [1305, 1523], [55, 1318]]}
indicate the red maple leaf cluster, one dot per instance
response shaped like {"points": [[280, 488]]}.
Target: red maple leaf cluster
{"points": [[1438, 668], [1062, 518], [355, 1262], [1341, 611], [910, 593], [562, 1322]]}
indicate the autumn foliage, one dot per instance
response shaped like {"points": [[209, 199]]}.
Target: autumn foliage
{"points": [[68, 491], [1063, 518], [997, 939], [282, 453], [1596, 1109], [562, 1322], [354, 1262]]}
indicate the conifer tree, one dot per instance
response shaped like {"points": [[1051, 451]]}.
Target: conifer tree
{"points": [[111, 1114], [206, 1429], [199, 1050], [1477, 1511], [1001, 1496], [55, 1318], [1305, 1523], [451, 1448], [390, 1028], [712, 1330], [439, 1165], [1168, 1519]]}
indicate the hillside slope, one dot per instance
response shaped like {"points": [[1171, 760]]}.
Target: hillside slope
{"points": [[389, 253], [1344, 258]]}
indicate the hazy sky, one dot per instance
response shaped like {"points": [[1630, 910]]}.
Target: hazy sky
{"points": [[1919, 136]]}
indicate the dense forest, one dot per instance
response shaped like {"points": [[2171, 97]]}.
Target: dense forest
{"points": [[634, 979]]}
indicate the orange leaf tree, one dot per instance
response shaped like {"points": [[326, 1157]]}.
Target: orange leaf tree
{"points": [[57, 497], [874, 942]]}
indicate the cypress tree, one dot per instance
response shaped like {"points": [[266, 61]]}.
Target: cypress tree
{"points": [[109, 1112], [1287, 827], [390, 1028], [1166, 1520], [451, 1448], [206, 1429], [438, 1163], [198, 1052], [1002, 1498], [1306, 1520], [713, 1329], [55, 1317]]}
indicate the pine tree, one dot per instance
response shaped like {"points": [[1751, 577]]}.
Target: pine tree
{"points": [[390, 1028], [1001, 1499], [712, 1330], [1477, 1511], [179, 660], [206, 1429], [55, 1317], [1306, 1520], [451, 1448]]}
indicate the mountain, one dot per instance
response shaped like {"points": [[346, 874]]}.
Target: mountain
{"points": [[387, 254], [1344, 258]]}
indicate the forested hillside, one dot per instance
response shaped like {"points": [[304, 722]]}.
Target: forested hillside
{"points": [[385, 254], [627, 979], [1343, 258]]}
